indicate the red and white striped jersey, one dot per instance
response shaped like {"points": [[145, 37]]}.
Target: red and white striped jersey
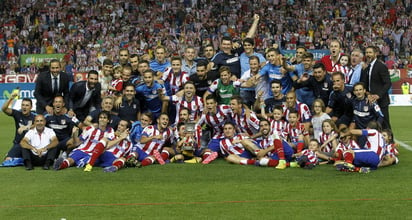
{"points": [[117, 84], [246, 124], [278, 126], [303, 110], [121, 149], [343, 69], [195, 106], [91, 136], [195, 139], [323, 137], [227, 145], [350, 146], [155, 144], [375, 141], [311, 156], [293, 132], [216, 121], [392, 149], [176, 81]]}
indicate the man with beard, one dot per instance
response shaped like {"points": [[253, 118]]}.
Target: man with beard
{"points": [[85, 96], [148, 92], [203, 78], [377, 83]]}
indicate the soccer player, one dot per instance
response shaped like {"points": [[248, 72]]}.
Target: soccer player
{"points": [[91, 138], [224, 87], [113, 156], [245, 120], [188, 100], [154, 141], [236, 148], [274, 151], [174, 78], [214, 116], [301, 108], [363, 160], [149, 92]]}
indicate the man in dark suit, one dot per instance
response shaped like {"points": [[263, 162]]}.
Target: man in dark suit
{"points": [[85, 96], [377, 80], [50, 84]]}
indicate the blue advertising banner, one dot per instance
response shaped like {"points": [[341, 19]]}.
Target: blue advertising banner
{"points": [[26, 91], [318, 54]]}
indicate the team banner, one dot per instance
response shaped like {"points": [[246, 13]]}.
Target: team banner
{"points": [[28, 59]]}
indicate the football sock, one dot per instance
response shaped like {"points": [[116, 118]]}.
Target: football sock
{"points": [[300, 146], [273, 163], [206, 154], [247, 162], [279, 149], [64, 164], [97, 151], [118, 163], [147, 161], [348, 156], [165, 154]]}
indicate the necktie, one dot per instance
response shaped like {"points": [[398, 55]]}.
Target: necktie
{"points": [[55, 86]]}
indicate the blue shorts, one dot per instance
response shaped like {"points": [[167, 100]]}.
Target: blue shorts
{"points": [[287, 149], [141, 155], [246, 154], [214, 145], [80, 158], [106, 159], [366, 158]]}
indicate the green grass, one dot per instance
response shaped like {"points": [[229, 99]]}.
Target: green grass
{"points": [[215, 191]]}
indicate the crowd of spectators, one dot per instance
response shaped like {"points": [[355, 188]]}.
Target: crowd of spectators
{"points": [[90, 31]]}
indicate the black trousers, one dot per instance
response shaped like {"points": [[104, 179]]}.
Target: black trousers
{"points": [[36, 160]]}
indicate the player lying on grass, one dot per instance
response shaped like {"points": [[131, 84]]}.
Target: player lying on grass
{"points": [[367, 158]]}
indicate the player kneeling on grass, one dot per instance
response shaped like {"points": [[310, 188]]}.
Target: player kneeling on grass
{"points": [[91, 139], [235, 148], [363, 160]]}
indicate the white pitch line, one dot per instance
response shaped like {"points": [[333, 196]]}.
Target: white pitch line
{"points": [[406, 146]]}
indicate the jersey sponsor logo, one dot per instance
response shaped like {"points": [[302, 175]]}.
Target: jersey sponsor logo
{"points": [[232, 60]]}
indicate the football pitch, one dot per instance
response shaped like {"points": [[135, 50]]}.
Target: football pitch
{"points": [[215, 191]]}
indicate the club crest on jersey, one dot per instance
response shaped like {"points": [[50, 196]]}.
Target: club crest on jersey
{"points": [[154, 91], [63, 121], [325, 84], [349, 95], [134, 106], [209, 82], [365, 108]]}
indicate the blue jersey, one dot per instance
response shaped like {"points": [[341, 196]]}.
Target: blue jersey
{"points": [[21, 120], [364, 112], [340, 102], [62, 125], [150, 96], [159, 67], [304, 94], [273, 72], [244, 61]]}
